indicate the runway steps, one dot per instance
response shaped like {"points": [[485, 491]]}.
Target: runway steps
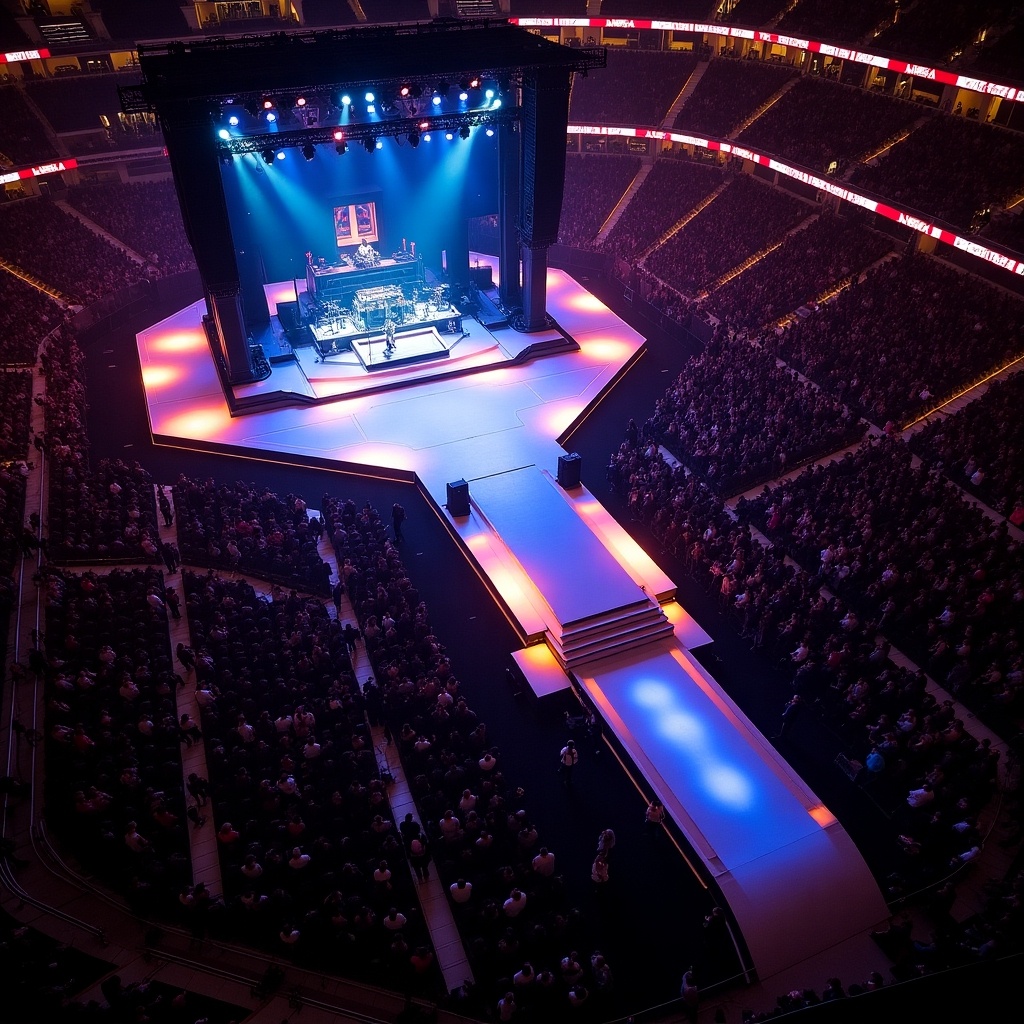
{"points": [[622, 629], [684, 94]]}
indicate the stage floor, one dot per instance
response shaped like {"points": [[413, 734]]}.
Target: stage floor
{"points": [[764, 836]]}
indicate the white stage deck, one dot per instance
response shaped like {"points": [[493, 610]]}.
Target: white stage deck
{"points": [[777, 853]]}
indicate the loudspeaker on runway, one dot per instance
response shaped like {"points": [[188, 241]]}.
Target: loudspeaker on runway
{"points": [[569, 470], [458, 498]]}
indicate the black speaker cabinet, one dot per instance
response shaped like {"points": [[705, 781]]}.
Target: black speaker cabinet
{"points": [[458, 498], [288, 314], [481, 277], [569, 470]]}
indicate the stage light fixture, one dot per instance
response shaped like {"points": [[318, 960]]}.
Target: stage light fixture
{"points": [[463, 96], [280, 154], [233, 120], [474, 82], [436, 100], [449, 136], [346, 100], [464, 132], [369, 97], [267, 103], [490, 133], [426, 138], [424, 125], [495, 104], [224, 134], [271, 117], [370, 108], [414, 139], [369, 143], [489, 93], [405, 91], [300, 101], [341, 148], [268, 156], [379, 144], [309, 151]]}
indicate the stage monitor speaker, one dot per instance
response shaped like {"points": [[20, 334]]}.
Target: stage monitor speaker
{"points": [[288, 314], [569, 470], [458, 498], [481, 277]]}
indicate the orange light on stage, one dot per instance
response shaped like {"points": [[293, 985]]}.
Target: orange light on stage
{"points": [[822, 815], [199, 423], [177, 341], [606, 350], [378, 456], [478, 542], [584, 302], [156, 377], [559, 418]]}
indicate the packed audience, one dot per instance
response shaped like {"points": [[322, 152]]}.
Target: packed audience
{"points": [[594, 183], [78, 103], [905, 549], [143, 215], [670, 191], [114, 783], [634, 89], [248, 528], [736, 419], [506, 895], [808, 264], [951, 169], [802, 126], [83, 266], [754, 12], [15, 413], [22, 138], [312, 863], [27, 315], [981, 447], [893, 345], [106, 513], [728, 93], [830, 657], [743, 219]]}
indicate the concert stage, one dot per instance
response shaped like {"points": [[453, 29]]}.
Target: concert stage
{"points": [[555, 559]]}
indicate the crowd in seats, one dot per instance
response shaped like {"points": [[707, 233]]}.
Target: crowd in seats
{"points": [[1006, 230], [832, 657], [670, 191], [742, 220], [22, 138], [59, 250], [895, 344], [15, 413], [319, 13], [806, 265], [105, 513], [114, 785], [477, 823], [729, 92], [27, 315], [736, 419], [143, 215], [245, 527], [938, 30], [824, 19], [905, 549], [804, 126], [634, 89], [594, 183], [312, 861], [981, 447], [952, 169]]}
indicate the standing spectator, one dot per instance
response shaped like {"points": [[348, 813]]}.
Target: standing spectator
{"points": [[397, 518], [568, 758]]}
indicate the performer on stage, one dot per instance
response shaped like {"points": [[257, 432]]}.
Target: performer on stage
{"points": [[366, 255], [389, 334]]}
